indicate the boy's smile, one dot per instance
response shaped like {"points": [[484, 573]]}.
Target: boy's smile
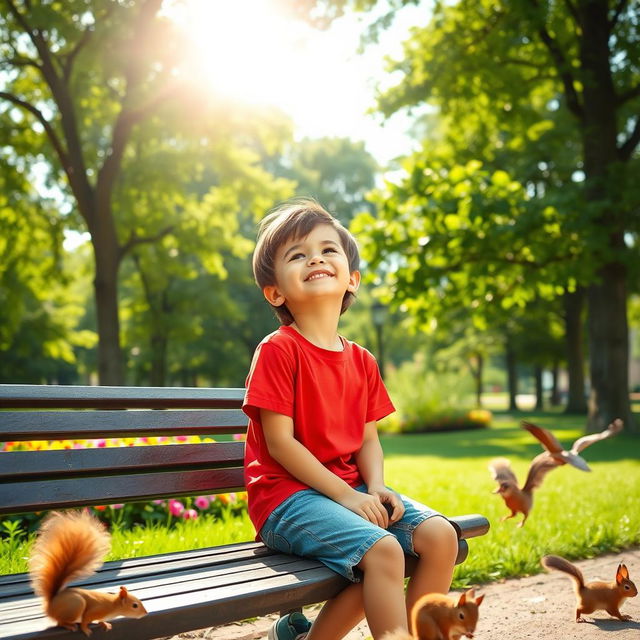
{"points": [[315, 275], [310, 268]]}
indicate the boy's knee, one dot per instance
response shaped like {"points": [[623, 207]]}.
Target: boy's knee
{"points": [[386, 554], [436, 537]]}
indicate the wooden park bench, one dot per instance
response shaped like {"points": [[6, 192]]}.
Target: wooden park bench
{"points": [[182, 591]]}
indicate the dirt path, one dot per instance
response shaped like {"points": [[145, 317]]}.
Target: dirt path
{"points": [[540, 607]]}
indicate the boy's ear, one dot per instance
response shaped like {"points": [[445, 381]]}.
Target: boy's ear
{"points": [[273, 295], [354, 281]]}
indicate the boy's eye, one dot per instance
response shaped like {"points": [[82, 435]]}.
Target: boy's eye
{"points": [[295, 256], [330, 249]]}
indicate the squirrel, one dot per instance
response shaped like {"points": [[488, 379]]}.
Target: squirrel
{"points": [[595, 595], [520, 500], [70, 546], [439, 617]]}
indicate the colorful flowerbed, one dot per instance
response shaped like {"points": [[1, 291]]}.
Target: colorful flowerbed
{"points": [[166, 512]]}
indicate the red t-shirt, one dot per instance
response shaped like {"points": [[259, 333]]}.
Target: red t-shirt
{"points": [[330, 395]]}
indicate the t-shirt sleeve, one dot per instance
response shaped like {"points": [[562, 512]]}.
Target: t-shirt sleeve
{"points": [[270, 382], [379, 404]]}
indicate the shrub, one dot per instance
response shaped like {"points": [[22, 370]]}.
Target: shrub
{"points": [[428, 400]]}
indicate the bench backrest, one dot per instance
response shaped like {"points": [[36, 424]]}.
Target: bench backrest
{"points": [[74, 477]]}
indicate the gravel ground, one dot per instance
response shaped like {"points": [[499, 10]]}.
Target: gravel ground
{"points": [[541, 607]]}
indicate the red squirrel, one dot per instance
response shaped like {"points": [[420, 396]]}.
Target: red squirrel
{"points": [[70, 546], [439, 617], [596, 595], [520, 499]]}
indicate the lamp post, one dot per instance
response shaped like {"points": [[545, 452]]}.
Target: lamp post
{"points": [[379, 315]]}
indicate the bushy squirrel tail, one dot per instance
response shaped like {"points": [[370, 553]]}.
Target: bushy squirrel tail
{"points": [[70, 546], [560, 564]]}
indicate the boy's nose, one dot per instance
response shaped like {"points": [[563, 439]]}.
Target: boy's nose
{"points": [[316, 259]]}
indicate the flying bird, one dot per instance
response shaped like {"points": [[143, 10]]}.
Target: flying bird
{"points": [[520, 500]]}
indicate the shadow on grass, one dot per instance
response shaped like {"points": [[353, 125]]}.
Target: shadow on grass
{"points": [[506, 438]]}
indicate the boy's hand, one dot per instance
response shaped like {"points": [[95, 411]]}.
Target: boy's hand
{"points": [[367, 506], [391, 501]]}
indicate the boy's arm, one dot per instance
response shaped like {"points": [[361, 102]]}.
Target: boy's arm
{"points": [[370, 461], [303, 465]]}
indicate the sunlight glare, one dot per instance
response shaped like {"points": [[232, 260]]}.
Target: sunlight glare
{"points": [[247, 51]]}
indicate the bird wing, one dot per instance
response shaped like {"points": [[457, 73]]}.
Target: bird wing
{"points": [[501, 471], [540, 466], [546, 438], [614, 428]]}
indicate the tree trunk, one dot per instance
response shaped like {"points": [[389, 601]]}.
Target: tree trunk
{"points": [[539, 389], [512, 375], [604, 175], [107, 263], [477, 372], [555, 391], [158, 360], [573, 304], [609, 351]]}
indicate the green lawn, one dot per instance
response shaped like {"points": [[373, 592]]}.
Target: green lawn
{"points": [[575, 514]]}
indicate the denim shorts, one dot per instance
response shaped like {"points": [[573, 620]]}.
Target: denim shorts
{"points": [[310, 524]]}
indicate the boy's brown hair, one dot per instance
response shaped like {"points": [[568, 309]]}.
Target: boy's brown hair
{"points": [[293, 220]]}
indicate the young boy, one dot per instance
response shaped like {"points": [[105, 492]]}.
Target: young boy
{"points": [[313, 461]]}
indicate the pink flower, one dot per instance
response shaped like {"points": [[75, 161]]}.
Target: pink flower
{"points": [[175, 507], [202, 502], [190, 514], [181, 438], [117, 506], [101, 443]]}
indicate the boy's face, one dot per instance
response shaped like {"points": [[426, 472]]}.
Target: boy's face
{"points": [[310, 269]]}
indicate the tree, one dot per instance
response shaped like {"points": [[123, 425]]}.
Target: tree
{"points": [[511, 55], [39, 309], [337, 172], [86, 82]]}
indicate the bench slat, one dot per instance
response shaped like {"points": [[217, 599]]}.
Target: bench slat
{"points": [[81, 425], [231, 568], [198, 606], [51, 465], [30, 496], [14, 396]]}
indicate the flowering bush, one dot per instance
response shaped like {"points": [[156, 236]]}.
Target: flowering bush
{"points": [[446, 420], [164, 511], [428, 400]]}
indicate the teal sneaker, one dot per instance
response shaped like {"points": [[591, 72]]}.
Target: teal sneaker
{"points": [[293, 626]]}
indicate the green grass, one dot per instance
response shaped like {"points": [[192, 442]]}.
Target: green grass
{"points": [[575, 514]]}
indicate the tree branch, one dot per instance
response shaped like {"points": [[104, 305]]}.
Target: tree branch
{"points": [[616, 13], [74, 164], [70, 58], [128, 117], [573, 11], [135, 240], [50, 131], [632, 93], [625, 151], [562, 67]]}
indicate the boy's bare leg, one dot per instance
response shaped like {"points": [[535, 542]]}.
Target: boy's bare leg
{"points": [[380, 596], [436, 542], [339, 615]]}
